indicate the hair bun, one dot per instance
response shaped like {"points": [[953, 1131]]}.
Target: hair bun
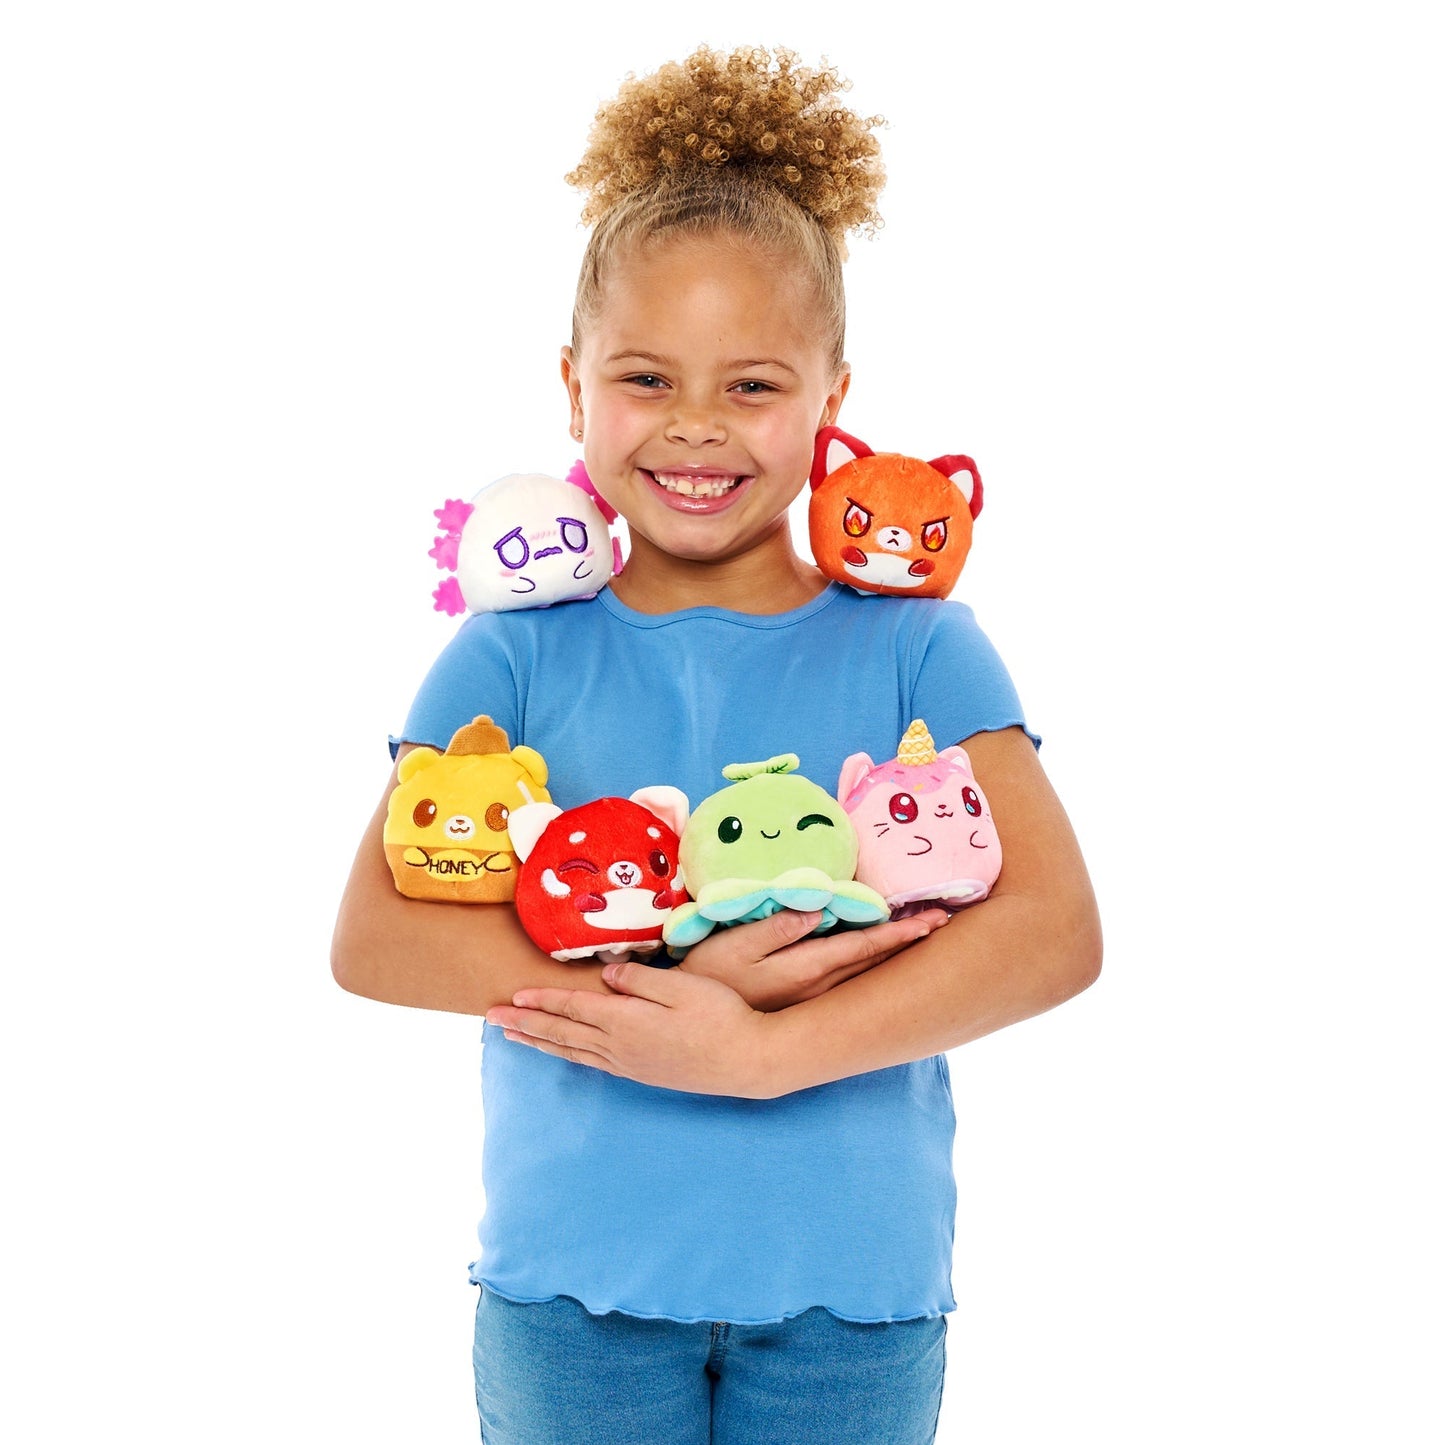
{"points": [[748, 109]]}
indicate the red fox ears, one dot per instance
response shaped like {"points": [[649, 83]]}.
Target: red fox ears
{"points": [[961, 471], [831, 449]]}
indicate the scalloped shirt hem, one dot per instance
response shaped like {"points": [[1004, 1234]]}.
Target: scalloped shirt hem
{"points": [[787, 1313]]}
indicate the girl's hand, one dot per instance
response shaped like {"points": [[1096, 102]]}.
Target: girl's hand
{"points": [[775, 962], [703, 1027], [658, 1026]]}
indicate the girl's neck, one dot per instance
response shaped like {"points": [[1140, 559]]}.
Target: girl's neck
{"points": [[766, 580]]}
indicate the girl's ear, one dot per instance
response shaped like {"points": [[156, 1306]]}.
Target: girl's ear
{"points": [[572, 380], [834, 404]]}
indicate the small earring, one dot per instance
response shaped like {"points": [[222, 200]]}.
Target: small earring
{"points": [[577, 432]]}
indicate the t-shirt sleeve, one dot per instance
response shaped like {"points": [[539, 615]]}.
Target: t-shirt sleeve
{"points": [[960, 685], [473, 675]]}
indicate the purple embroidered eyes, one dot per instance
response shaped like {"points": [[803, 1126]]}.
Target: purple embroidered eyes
{"points": [[512, 551], [514, 554]]}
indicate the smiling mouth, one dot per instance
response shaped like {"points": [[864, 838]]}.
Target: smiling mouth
{"points": [[697, 484]]}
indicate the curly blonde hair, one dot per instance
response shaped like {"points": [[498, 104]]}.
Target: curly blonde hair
{"points": [[747, 143]]}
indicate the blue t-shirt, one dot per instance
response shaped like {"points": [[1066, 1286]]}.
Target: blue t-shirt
{"points": [[684, 1206]]}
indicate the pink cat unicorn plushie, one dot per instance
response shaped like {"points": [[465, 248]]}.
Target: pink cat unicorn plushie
{"points": [[925, 836]]}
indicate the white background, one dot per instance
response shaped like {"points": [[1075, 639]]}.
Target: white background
{"points": [[279, 278]]}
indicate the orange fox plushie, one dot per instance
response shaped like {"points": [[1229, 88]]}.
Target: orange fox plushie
{"points": [[888, 523]]}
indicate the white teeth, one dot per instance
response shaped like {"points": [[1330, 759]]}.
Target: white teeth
{"points": [[687, 486]]}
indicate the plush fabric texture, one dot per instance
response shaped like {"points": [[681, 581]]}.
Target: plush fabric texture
{"points": [[681, 1206], [599, 880], [925, 834], [446, 833], [884, 523], [524, 541], [771, 840]]}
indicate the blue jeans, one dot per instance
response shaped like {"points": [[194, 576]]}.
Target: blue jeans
{"points": [[553, 1374]]}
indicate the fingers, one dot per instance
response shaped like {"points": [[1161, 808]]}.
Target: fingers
{"points": [[571, 1052], [807, 965], [856, 949], [558, 1015], [577, 1004], [820, 964], [676, 1040], [556, 1021], [786, 927], [562, 1019], [749, 942], [638, 980]]}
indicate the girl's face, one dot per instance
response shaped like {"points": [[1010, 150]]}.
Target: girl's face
{"points": [[700, 388]]}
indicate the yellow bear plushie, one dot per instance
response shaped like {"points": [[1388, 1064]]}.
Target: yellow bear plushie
{"points": [[446, 821]]}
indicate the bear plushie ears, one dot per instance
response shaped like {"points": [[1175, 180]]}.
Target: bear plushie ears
{"points": [[884, 523], [445, 834], [525, 541]]}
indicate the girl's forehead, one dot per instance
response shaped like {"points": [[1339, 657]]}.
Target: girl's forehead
{"points": [[705, 290]]}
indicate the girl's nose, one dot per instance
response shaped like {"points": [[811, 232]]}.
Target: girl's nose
{"points": [[695, 426]]}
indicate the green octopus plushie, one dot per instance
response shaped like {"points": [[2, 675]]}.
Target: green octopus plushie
{"points": [[772, 840]]}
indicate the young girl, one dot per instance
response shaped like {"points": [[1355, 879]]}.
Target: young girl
{"points": [[719, 1197]]}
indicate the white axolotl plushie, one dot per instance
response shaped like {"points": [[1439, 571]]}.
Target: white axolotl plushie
{"points": [[525, 541]]}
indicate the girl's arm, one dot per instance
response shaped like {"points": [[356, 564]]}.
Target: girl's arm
{"points": [[1034, 942], [466, 958]]}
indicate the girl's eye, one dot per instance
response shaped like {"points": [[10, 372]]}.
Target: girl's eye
{"points": [[424, 814], [971, 804], [903, 807], [730, 830], [512, 550], [647, 380], [574, 534], [753, 388]]}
